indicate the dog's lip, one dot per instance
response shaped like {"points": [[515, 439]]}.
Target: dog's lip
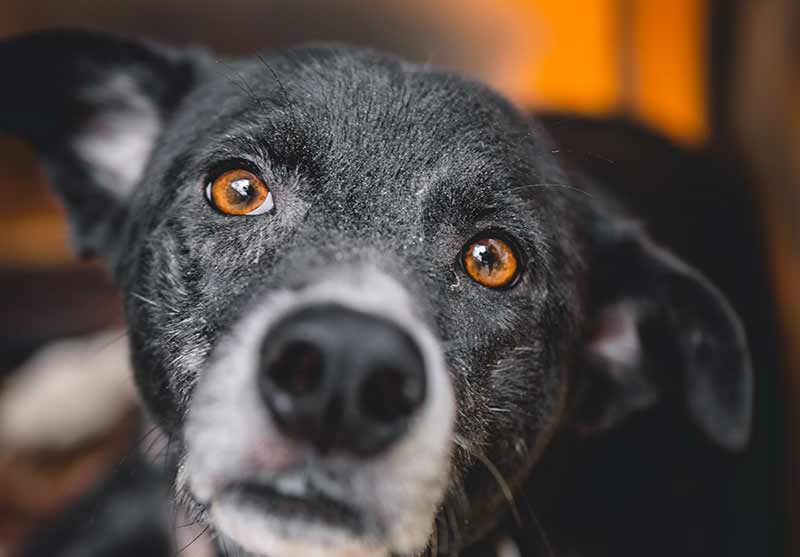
{"points": [[313, 506]]}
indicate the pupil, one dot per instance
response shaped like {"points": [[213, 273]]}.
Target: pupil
{"points": [[485, 255]]}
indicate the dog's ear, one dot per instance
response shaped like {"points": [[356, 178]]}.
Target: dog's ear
{"points": [[93, 106], [657, 328]]}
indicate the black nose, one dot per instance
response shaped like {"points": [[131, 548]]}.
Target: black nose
{"points": [[340, 379]]}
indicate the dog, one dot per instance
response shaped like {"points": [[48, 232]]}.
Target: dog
{"points": [[363, 296]]}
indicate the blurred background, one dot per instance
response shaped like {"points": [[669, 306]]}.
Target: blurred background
{"points": [[690, 109]]}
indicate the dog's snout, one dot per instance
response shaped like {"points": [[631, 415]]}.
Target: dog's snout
{"points": [[339, 379]]}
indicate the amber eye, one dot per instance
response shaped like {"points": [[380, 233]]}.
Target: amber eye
{"points": [[239, 192], [491, 262]]}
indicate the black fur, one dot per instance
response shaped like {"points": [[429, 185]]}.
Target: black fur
{"points": [[376, 161]]}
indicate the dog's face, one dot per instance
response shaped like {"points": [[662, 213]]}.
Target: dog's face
{"points": [[361, 293]]}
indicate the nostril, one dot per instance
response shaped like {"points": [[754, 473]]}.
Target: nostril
{"points": [[295, 367], [391, 394]]}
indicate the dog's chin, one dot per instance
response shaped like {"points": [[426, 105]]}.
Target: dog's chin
{"points": [[265, 523]]}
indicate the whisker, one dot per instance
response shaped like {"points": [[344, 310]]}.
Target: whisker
{"points": [[453, 521], [501, 481], [462, 499], [110, 343], [167, 453], [433, 547], [146, 435], [154, 456], [552, 185], [599, 157], [543, 539], [188, 545], [144, 299], [222, 545], [174, 531], [153, 303], [287, 99], [446, 532], [277, 79], [236, 79]]}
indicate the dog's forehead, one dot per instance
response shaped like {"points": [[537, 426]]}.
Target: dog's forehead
{"points": [[343, 90], [372, 146], [364, 122]]}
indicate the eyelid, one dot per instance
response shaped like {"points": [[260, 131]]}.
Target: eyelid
{"points": [[217, 168]]}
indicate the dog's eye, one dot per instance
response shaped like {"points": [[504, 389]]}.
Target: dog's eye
{"points": [[239, 192], [491, 262]]}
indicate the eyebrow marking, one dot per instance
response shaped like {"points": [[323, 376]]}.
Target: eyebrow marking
{"points": [[433, 178]]}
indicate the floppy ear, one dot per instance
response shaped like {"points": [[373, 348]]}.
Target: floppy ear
{"points": [[659, 328], [92, 105]]}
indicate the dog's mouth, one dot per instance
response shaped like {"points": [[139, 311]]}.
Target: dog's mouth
{"points": [[262, 517], [311, 507]]}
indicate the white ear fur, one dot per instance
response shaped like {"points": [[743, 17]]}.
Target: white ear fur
{"points": [[615, 347], [93, 106], [616, 339], [117, 141]]}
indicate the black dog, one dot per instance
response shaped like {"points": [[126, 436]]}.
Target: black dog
{"points": [[363, 296]]}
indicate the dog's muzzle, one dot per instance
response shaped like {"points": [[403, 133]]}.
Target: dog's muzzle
{"points": [[323, 425]]}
